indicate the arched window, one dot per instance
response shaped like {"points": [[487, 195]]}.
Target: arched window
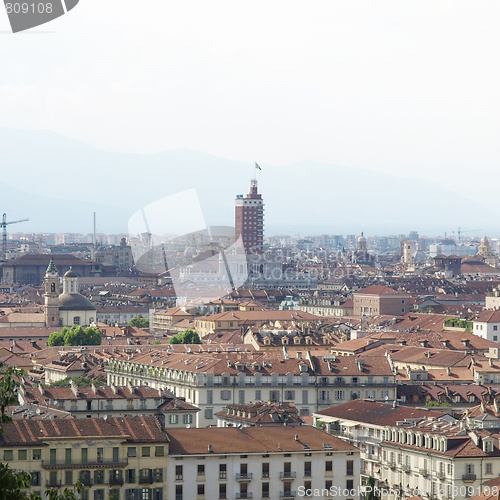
{"points": [[53, 287]]}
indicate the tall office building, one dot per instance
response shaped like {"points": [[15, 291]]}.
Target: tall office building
{"points": [[249, 219]]}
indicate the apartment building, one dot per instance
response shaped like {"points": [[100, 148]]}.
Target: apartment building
{"points": [[260, 462], [363, 423], [241, 320], [213, 380], [110, 401], [114, 458], [439, 458], [378, 299]]}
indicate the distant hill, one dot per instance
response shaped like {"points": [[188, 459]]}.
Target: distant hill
{"points": [[59, 182]]}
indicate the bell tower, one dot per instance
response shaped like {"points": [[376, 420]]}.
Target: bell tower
{"points": [[51, 296]]}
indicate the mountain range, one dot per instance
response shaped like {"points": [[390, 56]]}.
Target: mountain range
{"points": [[58, 182]]}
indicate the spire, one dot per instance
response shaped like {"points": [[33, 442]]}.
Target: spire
{"points": [[52, 267]]}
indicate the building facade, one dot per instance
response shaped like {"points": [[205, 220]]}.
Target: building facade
{"points": [[249, 219]]}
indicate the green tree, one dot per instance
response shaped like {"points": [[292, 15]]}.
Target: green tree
{"points": [[185, 337], [139, 322], [372, 493], [76, 335], [56, 339]]}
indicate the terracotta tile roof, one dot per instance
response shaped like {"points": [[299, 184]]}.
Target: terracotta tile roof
{"points": [[35, 432], [379, 290], [375, 413], [489, 316], [224, 440]]}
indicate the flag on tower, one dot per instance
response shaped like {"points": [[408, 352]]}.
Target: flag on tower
{"points": [[257, 166]]}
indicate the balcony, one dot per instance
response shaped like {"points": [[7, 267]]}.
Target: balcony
{"points": [[78, 464], [244, 477], [115, 481], [146, 479], [392, 465], [423, 472], [244, 494], [468, 478], [440, 476], [288, 475], [53, 483], [288, 494]]}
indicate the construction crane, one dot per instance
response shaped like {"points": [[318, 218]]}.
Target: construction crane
{"points": [[460, 231], [4, 225]]}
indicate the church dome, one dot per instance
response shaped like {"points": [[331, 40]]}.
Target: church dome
{"points": [[361, 239], [75, 302], [70, 274]]}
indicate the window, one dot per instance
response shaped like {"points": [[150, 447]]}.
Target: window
{"points": [[201, 489], [22, 455], [222, 471], [307, 488], [98, 494], [36, 478], [76, 320], [130, 475], [290, 395], [349, 484], [85, 455], [100, 455], [489, 468], [67, 456], [159, 451], [222, 491], [209, 413], [258, 395], [265, 469], [210, 397], [265, 490], [201, 469], [37, 454], [349, 468], [307, 469], [225, 395], [339, 395], [146, 451], [52, 455], [495, 328], [178, 472], [174, 419], [188, 418], [328, 466], [495, 338], [178, 492], [99, 476], [68, 477]]}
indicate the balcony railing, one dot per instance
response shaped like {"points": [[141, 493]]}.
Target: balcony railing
{"points": [[116, 481], [79, 464], [288, 494], [440, 475], [423, 472], [244, 494], [288, 475], [53, 483], [149, 479], [244, 476], [469, 477]]}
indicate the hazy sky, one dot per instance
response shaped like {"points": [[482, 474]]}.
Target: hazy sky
{"points": [[409, 87]]}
